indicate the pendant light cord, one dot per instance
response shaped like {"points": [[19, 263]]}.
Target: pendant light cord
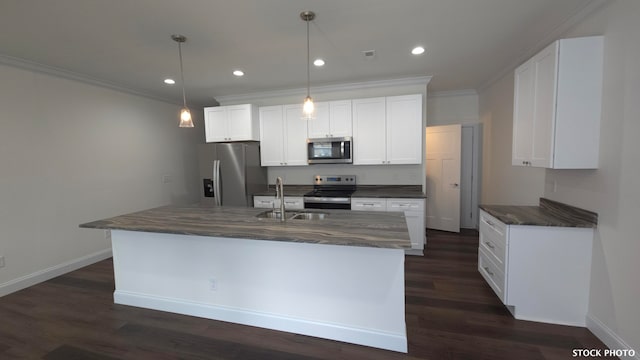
{"points": [[308, 60], [184, 97]]}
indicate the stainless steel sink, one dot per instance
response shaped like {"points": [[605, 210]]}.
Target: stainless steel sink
{"points": [[292, 215], [310, 216], [272, 214]]}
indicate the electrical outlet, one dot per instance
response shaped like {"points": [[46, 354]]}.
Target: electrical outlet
{"points": [[213, 285], [166, 179], [1, 261], [107, 234]]}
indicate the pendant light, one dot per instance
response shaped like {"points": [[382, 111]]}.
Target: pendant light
{"points": [[308, 109], [185, 113]]}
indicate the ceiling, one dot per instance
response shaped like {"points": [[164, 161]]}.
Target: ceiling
{"points": [[127, 43]]}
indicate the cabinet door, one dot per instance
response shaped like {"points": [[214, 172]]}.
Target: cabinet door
{"points": [[369, 131], [295, 136], [544, 98], [215, 122], [414, 213], [320, 126], [340, 118], [240, 123], [271, 136], [523, 114], [404, 129]]}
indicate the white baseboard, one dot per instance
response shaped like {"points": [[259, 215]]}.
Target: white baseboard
{"points": [[414, 252], [54, 271], [367, 337], [609, 337]]}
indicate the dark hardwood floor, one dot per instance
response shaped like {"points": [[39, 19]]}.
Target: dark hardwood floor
{"points": [[451, 313]]}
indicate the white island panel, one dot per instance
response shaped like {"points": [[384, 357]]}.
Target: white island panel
{"points": [[346, 293]]}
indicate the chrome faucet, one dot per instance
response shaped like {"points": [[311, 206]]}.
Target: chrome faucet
{"points": [[280, 195]]}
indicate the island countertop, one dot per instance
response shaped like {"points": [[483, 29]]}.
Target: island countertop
{"points": [[341, 227]]}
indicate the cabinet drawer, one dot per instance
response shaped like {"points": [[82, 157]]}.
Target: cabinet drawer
{"points": [[493, 228], [264, 201], [491, 273], [405, 205], [493, 238], [293, 202], [368, 204]]}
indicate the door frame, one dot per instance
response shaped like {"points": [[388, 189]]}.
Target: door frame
{"points": [[476, 161]]}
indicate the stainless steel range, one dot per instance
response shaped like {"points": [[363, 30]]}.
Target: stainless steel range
{"points": [[331, 192]]}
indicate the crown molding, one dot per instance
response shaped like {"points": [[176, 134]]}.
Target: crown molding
{"points": [[554, 34], [70, 75], [463, 92], [324, 89]]}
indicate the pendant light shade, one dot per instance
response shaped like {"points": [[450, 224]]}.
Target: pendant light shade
{"points": [[185, 113], [308, 108]]}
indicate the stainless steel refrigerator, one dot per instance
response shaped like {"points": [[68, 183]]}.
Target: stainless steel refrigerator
{"points": [[231, 173]]}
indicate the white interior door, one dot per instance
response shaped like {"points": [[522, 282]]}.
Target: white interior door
{"points": [[443, 145]]}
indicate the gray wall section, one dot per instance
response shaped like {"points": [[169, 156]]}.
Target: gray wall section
{"points": [[70, 153]]}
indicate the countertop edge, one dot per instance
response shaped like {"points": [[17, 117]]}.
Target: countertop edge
{"points": [[539, 216], [381, 232]]}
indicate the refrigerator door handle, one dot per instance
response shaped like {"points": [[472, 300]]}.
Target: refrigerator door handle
{"points": [[216, 181], [219, 184]]}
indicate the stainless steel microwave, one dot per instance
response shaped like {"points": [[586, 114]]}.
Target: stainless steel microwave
{"points": [[330, 151]]}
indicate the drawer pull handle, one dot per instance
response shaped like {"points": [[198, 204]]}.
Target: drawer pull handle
{"points": [[489, 245], [368, 204], [486, 268]]}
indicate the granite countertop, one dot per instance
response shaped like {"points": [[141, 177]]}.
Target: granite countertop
{"points": [[389, 191], [548, 213], [341, 227], [381, 191]]}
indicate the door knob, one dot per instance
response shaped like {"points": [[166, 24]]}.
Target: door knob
{"points": [[455, 185]]}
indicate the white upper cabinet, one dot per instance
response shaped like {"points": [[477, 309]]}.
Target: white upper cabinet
{"points": [[271, 136], [557, 106], [388, 130], [333, 119], [295, 144], [282, 136], [369, 131], [231, 123], [404, 129]]}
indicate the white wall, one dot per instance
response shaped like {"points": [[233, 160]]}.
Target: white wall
{"points": [[70, 153], [453, 107], [367, 174], [612, 190]]}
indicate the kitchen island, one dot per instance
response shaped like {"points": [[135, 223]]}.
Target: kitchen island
{"points": [[340, 278]]}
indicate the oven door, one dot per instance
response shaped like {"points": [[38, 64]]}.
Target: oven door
{"points": [[320, 202], [329, 151]]}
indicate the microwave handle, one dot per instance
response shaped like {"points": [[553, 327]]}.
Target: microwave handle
{"points": [[342, 149]]}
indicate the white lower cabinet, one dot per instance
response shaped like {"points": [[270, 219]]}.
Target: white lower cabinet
{"points": [[413, 211], [541, 273], [270, 202]]}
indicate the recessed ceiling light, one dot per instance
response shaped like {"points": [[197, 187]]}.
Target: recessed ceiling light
{"points": [[417, 50], [169, 81], [318, 62], [238, 72]]}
